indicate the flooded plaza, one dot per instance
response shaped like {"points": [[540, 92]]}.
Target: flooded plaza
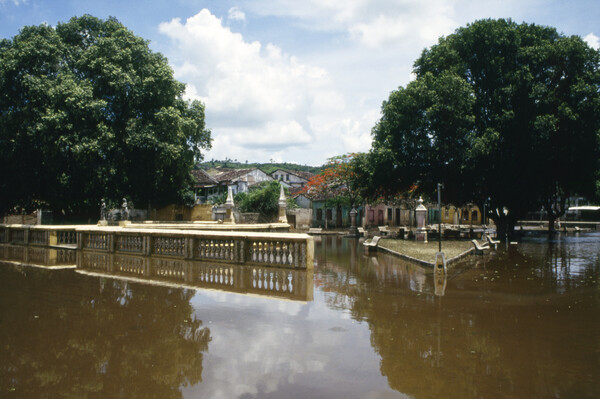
{"points": [[519, 322]]}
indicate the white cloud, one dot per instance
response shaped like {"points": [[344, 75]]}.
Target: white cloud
{"points": [[593, 41], [264, 102], [261, 102], [370, 22], [235, 14], [15, 2]]}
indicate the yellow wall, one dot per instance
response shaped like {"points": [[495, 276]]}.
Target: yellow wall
{"points": [[171, 213], [465, 214]]}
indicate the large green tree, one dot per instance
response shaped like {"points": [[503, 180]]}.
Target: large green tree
{"points": [[87, 111], [498, 110]]}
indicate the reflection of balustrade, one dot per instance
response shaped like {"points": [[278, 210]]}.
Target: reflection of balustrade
{"points": [[95, 261], [244, 279], [37, 256]]}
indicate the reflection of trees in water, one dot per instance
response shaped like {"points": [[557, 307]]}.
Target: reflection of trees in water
{"points": [[344, 270], [484, 338], [66, 335], [568, 261]]}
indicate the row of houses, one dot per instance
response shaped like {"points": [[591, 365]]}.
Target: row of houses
{"points": [[212, 184], [315, 212], [393, 215]]}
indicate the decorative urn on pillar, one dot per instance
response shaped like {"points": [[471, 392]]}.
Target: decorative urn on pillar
{"points": [[421, 211]]}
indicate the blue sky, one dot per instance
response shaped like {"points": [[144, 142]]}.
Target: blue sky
{"points": [[297, 80]]}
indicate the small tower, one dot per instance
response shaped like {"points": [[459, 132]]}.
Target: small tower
{"points": [[229, 206], [282, 207], [421, 212]]}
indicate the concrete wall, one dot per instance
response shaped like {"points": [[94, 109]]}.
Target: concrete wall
{"points": [[303, 217], [30, 219]]}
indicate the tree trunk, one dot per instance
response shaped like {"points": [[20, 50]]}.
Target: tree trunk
{"points": [[551, 223], [555, 208], [505, 227]]}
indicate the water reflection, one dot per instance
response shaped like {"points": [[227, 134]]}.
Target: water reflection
{"points": [[65, 335], [520, 323], [242, 279], [38, 256], [342, 262], [498, 326]]}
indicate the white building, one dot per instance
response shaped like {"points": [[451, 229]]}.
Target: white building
{"points": [[292, 178]]}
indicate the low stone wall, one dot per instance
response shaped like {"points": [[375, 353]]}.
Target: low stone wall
{"points": [[40, 235], [250, 217], [270, 249]]}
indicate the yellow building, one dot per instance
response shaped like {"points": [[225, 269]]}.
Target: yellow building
{"points": [[469, 214]]}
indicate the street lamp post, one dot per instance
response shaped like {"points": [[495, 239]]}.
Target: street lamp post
{"points": [[440, 258], [439, 190]]}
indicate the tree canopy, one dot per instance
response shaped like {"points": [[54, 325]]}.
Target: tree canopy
{"points": [[500, 111], [339, 182], [87, 111]]}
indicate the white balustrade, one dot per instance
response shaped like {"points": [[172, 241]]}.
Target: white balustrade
{"points": [[270, 249]]}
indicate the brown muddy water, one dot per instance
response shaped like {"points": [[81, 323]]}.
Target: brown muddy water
{"points": [[521, 322]]}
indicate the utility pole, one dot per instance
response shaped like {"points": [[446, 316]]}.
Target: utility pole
{"points": [[439, 190]]}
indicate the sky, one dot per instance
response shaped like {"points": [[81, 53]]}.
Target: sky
{"points": [[297, 81]]}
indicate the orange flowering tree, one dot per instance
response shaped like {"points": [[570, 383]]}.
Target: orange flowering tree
{"points": [[338, 183]]}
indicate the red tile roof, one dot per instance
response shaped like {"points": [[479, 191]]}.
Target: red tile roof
{"points": [[203, 179]]}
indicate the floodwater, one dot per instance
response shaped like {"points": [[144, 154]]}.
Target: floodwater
{"points": [[522, 322]]}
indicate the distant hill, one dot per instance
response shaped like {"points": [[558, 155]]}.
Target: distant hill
{"points": [[265, 167]]}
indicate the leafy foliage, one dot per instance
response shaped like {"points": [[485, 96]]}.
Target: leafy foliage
{"points": [[338, 183], [498, 110], [88, 111], [263, 198]]}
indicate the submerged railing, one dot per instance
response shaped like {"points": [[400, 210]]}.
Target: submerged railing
{"points": [[38, 256], [269, 249], [243, 279]]}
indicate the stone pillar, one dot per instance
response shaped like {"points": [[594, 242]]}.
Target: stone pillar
{"points": [[282, 206], [229, 205], [353, 231], [421, 212]]}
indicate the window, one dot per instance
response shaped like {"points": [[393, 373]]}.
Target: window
{"points": [[329, 214], [287, 177], [319, 214]]}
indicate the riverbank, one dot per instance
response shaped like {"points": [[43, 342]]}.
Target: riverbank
{"points": [[424, 253]]}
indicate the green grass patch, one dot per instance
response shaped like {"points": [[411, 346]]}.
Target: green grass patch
{"points": [[426, 252]]}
